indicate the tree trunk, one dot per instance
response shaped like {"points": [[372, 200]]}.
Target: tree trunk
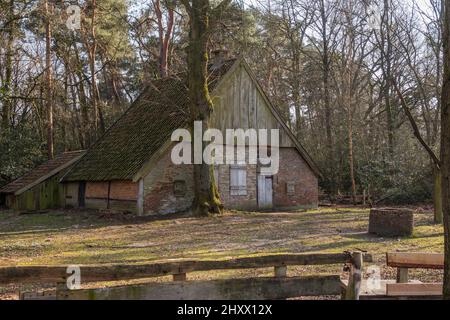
{"points": [[82, 99], [206, 198], [388, 77], [92, 54], [164, 35], [445, 147], [437, 195], [327, 101], [7, 102], [350, 157], [49, 80]]}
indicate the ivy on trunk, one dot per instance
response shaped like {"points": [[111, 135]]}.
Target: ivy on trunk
{"points": [[201, 18]]}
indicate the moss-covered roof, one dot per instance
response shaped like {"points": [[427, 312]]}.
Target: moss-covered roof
{"points": [[42, 172], [141, 131]]}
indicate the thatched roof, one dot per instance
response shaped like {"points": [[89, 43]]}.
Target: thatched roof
{"points": [[42, 172]]}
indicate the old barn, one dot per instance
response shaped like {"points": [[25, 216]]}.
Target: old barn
{"points": [[130, 167], [40, 188]]}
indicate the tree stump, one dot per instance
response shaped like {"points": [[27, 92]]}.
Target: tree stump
{"points": [[391, 222]]}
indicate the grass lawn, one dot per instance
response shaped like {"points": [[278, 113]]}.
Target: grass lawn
{"points": [[85, 237]]}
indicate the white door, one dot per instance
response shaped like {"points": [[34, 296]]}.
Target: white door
{"points": [[265, 192]]}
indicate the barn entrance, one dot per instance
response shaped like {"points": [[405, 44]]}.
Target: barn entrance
{"points": [[81, 194], [265, 192]]}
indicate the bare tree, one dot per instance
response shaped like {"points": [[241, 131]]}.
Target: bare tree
{"points": [[49, 78], [445, 146], [164, 33]]}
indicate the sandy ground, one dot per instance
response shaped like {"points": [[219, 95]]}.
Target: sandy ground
{"points": [[85, 237]]}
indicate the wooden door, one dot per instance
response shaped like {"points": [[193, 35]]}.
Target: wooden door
{"points": [[265, 192], [81, 194]]}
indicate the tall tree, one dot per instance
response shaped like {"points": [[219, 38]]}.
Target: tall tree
{"points": [[201, 18], [445, 146], [164, 33], [326, 27], [7, 101], [49, 78]]}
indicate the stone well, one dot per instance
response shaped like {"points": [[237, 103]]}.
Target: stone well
{"points": [[389, 222]]}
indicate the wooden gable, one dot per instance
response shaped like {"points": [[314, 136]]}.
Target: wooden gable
{"points": [[240, 103]]}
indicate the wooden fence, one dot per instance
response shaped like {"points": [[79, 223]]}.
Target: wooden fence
{"points": [[278, 287]]}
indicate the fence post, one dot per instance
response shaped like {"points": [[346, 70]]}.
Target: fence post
{"points": [[355, 278], [61, 290], [280, 271], [179, 277], [402, 275]]}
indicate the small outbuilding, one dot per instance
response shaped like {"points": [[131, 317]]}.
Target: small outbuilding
{"points": [[40, 189]]}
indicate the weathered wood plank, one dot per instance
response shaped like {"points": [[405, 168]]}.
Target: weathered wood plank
{"points": [[43, 295], [92, 273], [413, 289], [354, 284], [230, 289], [402, 275], [280, 271], [179, 277], [415, 260]]}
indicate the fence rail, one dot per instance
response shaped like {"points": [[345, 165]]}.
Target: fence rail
{"points": [[95, 273], [287, 287]]}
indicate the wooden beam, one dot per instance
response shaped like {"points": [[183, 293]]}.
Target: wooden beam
{"points": [[93, 273], [140, 198], [355, 278], [413, 289], [229, 289], [415, 260], [280, 271], [43, 295], [402, 275], [179, 277]]}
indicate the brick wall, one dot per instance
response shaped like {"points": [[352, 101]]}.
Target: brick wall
{"points": [[160, 197], [295, 171], [97, 190], [123, 195], [124, 190], [159, 193]]}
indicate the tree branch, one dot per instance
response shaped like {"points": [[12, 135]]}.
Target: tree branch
{"points": [[215, 13], [416, 130], [187, 6]]}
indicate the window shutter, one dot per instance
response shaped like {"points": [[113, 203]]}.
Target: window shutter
{"points": [[238, 181]]}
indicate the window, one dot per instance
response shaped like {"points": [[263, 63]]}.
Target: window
{"points": [[238, 181], [290, 188], [179, 188]]}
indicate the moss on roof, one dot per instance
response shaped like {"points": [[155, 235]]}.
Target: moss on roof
{"points": [[141, 131], [54, 166]]}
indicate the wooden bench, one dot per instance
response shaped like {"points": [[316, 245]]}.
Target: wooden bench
{"points": [[405, 261], [277, 287]]}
